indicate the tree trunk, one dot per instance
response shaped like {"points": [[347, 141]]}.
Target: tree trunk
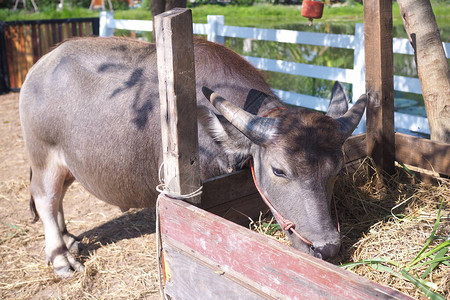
{"points": [[432, 66], [159, 6]]}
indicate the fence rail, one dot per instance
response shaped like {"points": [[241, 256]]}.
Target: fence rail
{"points": [[24, 42], [216, 30]]}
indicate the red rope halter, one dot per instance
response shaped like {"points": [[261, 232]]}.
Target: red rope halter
{"points": [[284, 223]]}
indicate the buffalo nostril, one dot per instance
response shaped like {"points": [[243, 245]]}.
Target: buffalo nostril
{"points": [[328, 251]]}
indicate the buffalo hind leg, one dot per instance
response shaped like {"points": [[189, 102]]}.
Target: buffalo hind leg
{"points": [[47, 188], [71, 241]]}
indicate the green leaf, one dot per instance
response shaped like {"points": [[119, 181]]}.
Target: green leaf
{"points": [[408, 170], [423, 286], [419, 256], [382, 268], [435, 262], [369, 262]]}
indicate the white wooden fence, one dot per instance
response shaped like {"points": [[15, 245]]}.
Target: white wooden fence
{"points": [[216, 30]]}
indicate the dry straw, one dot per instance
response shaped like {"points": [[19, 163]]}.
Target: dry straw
{"points": [[385, 228], [388, 224], [119, 253]]}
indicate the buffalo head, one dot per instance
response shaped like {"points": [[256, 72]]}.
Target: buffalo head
{"points": [[297, 154]]}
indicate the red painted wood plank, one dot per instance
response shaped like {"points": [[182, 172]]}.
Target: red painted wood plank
{"points": [[260, 261]]}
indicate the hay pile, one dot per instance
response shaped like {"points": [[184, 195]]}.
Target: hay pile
{"points": [[120, 253], [391, 223]]}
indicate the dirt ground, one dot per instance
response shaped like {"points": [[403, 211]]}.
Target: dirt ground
{"points": [[119, 253]]}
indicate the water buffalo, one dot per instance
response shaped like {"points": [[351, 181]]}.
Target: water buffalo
{"points": [[90, 112]]}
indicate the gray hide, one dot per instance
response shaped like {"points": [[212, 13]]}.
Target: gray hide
{"points": [[90, 112]]}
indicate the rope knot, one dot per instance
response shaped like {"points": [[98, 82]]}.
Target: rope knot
{"points": [[287, 225]]}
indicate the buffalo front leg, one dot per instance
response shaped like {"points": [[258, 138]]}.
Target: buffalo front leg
{"points": [[48, 188]]}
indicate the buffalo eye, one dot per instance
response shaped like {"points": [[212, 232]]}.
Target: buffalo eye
{"points": [[278, 172]]}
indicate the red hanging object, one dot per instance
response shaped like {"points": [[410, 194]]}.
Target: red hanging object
{"points": [[312, 10]]}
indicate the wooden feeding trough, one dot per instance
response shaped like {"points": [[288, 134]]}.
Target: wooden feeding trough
{"points": [[205, 256]]}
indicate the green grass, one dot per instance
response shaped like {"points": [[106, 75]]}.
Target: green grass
{"points": [[265, 15], [258, 15], [431, 258], [46, 13]]}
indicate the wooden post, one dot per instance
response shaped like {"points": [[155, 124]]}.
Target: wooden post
{"points": [[176, 75], [380, 83]]}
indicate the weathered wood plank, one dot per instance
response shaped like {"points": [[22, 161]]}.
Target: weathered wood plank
{"points": [[15, 55], [34, 40], [380, 83], [423, 153], [187, 269], [28, 49], [80, 29], [239, 210], [54, 34], [255, 260], [355, 148], [22, 62], [41, 39], [176, 75], [9, 55], [48, 38], [227, 187], [74, 28]]}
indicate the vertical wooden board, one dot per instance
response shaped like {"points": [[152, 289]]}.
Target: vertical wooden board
{"points": [[60, 33], [89, 29], [258, 261], [380, 83], [15, 55], [48, 39], [66, 30], [28, 48], [74, 29], [34, 42], [54, 34], [80, 29], [176, 75], [95, 25], [9, 54], [40, 30], [21, 52]]}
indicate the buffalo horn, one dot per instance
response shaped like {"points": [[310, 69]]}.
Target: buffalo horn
{"points": [[257, 129]]}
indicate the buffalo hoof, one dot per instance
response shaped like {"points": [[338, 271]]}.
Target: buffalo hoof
{"points": [[65, 267], [72, 243]]}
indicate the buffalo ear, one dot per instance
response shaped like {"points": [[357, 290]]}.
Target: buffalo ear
{"points": [[339, 101], [350, 120], [223, 132]]}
